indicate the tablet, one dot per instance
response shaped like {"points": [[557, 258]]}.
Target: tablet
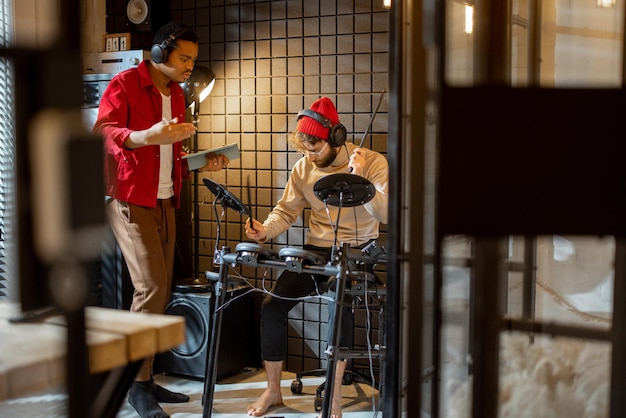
{"points": [[198, 159]]}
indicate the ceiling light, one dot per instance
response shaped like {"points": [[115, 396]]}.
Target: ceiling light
{"points": [[605, 3], [469, 18]]}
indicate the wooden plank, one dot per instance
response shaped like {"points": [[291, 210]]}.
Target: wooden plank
{"points": [[107, 351], [168, 330], [32, 358], [140, 339], [32, 355]]}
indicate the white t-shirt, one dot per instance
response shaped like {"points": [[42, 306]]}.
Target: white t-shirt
{"points": [[166, 184]]}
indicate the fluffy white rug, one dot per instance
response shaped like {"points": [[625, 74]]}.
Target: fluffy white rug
{"points": [[549, 378]]}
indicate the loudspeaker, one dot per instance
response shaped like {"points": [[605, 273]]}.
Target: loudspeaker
{"points": [[237, 348], [137, 12], [146, 15], [337, 134]]}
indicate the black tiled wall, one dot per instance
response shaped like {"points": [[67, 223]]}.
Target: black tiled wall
{"points": [[272, 59]]}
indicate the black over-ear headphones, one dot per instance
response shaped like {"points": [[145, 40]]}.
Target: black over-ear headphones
{"points": [[159, 52], [337, 134]]}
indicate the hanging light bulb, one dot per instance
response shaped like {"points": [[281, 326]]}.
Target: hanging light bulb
{"points": [[605, 3], [469, 18], [387, 4]]}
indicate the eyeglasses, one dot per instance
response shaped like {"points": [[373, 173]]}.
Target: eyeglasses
{"points": [[316, 154]]}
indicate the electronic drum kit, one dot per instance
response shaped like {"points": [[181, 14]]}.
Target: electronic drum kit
{"points": [[340, 190]]}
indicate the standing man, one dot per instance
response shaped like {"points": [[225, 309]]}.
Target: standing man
{"points": [[138, 118], [321, 138]]}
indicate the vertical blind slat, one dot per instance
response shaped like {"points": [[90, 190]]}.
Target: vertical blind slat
{"points": [[8, 276]]}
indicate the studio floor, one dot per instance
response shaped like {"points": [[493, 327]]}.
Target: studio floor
{"points": [[231, 397], [565, 298]]}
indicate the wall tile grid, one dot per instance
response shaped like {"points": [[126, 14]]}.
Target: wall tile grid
{"points": [[272, 59]]}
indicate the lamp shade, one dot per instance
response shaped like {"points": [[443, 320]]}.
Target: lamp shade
{"points": [[199, 85]]}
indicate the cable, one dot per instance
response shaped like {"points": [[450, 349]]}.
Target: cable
{"points": [[368, 329], [264, 290]]}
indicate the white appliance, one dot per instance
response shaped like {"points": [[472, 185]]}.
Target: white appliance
{"points": [[93, 87], [98, 69], [113, 62]]}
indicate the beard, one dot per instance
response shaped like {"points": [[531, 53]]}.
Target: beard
{"points": [[328, 160]]}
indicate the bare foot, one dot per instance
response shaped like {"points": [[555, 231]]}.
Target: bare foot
{"points": [[335, 411], [266, 400], [336, 407]]}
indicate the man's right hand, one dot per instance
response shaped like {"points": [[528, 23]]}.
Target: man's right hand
{"points": [[161, 133], [255, 230]]}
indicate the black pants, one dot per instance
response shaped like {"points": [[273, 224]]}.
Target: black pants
{"points": [[275, 310]]}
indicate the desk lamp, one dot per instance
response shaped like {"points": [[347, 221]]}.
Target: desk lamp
{"points": [[197, 88]]}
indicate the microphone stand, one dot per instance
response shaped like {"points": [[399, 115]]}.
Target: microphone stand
{"points": [[217, 255], [197, 280]]}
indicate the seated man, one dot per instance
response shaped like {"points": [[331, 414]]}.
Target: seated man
{"points": [[321, 138]]}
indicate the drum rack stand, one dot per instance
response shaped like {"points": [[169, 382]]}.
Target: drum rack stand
{"points": [[334, 352], [341, 190], [338, 267], [366, 284]]}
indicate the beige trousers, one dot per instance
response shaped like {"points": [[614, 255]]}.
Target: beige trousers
{"points": [[147, 238]]}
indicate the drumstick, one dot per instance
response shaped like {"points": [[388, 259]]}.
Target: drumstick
{"points": [[249, 203], [369, 126]]}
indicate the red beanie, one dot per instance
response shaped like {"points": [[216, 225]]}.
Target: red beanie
{"points": [[308, 125]]}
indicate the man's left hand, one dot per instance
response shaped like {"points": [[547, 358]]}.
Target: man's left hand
{"points": [[215, 162]]}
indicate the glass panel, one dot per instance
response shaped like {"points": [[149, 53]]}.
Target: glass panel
{"points": [[572, 276], [457, 253], [459, 43], [575, 280], [580, 43], [561, 280], [544, 377], [585, 41], [520, 44], [573, 285]]}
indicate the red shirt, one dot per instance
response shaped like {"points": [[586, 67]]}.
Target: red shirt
{"points": [[131, 102]]}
